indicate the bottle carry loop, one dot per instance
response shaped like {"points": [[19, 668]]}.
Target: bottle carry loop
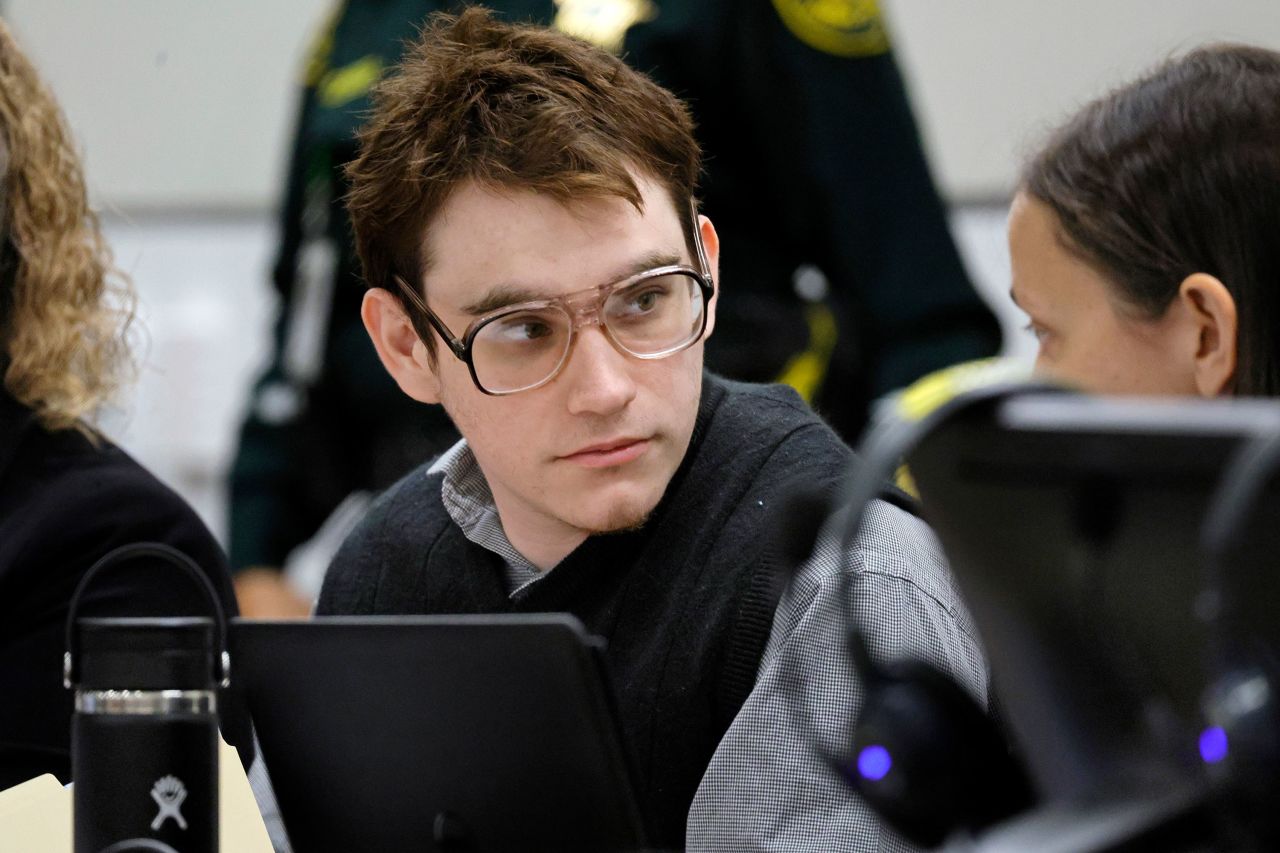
{"points": [[164, 553]]}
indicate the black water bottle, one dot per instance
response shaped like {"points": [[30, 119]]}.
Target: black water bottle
{"points": [[144, 736]]}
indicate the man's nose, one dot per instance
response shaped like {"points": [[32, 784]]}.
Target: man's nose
{"points": [[598, 375]]}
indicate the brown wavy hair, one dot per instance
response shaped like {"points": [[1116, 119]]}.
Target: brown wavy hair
{"points": [[507, 106], [65, 310]]}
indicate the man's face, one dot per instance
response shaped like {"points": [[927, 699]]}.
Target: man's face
{"points": [[592, 450]]}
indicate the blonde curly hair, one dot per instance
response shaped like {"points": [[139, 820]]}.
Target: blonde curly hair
{"points": [[65, 310]]}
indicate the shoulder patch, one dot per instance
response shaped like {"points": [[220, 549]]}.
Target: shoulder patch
{"points": [[604, 23], [343, 85], [849, 28]]}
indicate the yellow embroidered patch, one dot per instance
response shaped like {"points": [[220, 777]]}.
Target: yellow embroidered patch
{"points": [[604, 23], [841, 27], [343, 85], [806, 370]]}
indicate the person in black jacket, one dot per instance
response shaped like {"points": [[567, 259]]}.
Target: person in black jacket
{"points": [[67, 495]]}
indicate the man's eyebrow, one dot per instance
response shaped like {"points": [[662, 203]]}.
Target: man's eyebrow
{"points": [[502, 295], [649, 261]]}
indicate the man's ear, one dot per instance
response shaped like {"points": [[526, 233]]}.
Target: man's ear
{"points": [[401, 351], [1212, 309], [711, 244]]}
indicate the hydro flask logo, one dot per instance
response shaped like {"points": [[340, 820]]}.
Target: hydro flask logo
{"points": [[169, 794]]}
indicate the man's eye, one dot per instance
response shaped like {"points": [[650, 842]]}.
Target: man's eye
{"points": [[531, 331], [646, 301], [1036, 330], [521, 328]]}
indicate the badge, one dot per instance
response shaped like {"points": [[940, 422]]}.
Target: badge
{"points": [[604, 23], [840, 27]]}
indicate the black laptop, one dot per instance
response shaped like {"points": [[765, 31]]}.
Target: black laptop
{"points": [[464, 733]]}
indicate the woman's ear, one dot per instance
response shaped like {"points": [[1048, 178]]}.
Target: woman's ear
{"points": [[399, 348], [711, 245], [1213, 310]]}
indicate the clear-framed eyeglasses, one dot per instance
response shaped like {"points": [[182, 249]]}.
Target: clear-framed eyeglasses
{"points": [[651, 315]]}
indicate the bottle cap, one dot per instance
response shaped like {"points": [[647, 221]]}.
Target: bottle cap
{"points": [[136, 653]]}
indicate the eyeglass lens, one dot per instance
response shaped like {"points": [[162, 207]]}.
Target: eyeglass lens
{"points": [[524, 347]]}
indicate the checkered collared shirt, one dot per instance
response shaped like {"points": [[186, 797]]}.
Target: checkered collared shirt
{"points": [[767, 788], [469, 502]]}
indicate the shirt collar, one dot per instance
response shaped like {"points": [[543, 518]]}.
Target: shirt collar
{"points": [[469, 501]]}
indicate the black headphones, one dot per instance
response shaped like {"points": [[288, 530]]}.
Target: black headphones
{"points": [[930, 761], [925, 756]]}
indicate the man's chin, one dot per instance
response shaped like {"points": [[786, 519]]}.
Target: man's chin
{"points": [[618, 506], [619, 518], [622, 525]]}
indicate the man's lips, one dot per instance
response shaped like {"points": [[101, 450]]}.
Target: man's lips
{"points": [[608, 453]]}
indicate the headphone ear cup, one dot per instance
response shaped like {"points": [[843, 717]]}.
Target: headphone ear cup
{"points": [[1242, 747], [929, 760]]}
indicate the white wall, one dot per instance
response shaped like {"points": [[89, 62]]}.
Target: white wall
{"points": [[183, 103], [990, 77], [205, 310], [187, 102]]}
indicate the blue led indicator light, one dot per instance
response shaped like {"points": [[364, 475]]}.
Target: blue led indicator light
{"points": [[874, 763], [1213, 745]]}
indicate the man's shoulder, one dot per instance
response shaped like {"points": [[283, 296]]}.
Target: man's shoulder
{"points": [[895, 543], [769, 414], [763, 399], [404, 513], [895, 556], [387, 545], [762, 447]]}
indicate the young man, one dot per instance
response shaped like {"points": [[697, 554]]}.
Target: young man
{"points": [[523, 210]]}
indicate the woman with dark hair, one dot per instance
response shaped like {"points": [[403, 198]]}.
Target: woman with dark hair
{"points": [[1145, 237], [67, 495]]}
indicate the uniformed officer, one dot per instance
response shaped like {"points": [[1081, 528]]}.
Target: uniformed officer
{"points": [[846, 282]]}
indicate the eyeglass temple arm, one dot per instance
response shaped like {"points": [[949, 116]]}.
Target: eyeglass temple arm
{"points": [[459, 349], [704, 266]]}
